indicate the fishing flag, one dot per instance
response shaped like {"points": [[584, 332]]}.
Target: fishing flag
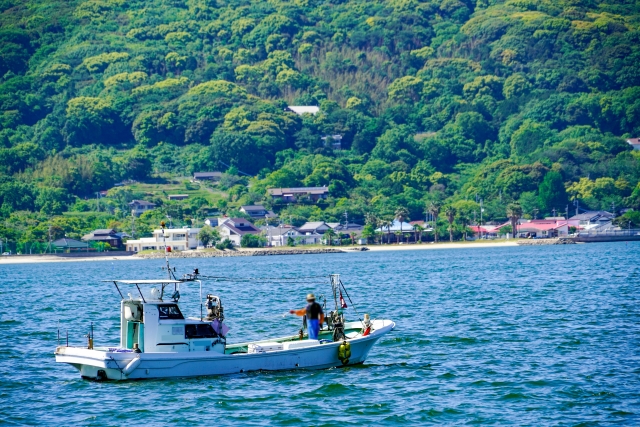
{"points": [[343, 304]]}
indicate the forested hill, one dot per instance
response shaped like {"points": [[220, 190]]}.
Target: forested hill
{"points": [[449, 100]]}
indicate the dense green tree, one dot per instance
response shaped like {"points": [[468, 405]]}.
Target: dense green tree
{"points": [[552, 194], [208, 235], [445, 101]]}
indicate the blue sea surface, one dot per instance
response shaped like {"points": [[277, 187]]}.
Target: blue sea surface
{"points": [[535, 336]]}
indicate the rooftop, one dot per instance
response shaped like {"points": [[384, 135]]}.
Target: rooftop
{"points": [[280, 231], [69, 244], [593, 215], [541, 225], [239, 225], [312, 225], [397, 226], [298, 190], [253, 208], [102, 234]]}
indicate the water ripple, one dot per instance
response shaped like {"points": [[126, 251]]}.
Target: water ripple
{"points": [[517, 336]]}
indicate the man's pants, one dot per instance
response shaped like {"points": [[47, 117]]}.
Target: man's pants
{"points": [[313, 325]]}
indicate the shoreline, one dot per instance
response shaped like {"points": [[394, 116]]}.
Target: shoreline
{"points": [[35, 259], [445, 245]]}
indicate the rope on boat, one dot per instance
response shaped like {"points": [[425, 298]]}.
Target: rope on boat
{"points": [[351, 301], [278, 279], [117, 366]]}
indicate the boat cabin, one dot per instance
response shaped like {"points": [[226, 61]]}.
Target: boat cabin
{"points": [[153, 323]]}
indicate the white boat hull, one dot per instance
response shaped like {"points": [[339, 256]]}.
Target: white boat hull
{"points": [[100, 364]]}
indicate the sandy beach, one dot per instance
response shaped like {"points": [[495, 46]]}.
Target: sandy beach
{"points": [[33, 259], [427, 246], [36, 259]]}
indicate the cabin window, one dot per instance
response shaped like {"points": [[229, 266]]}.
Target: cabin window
{"points": [[169, 311], [199, 331]]}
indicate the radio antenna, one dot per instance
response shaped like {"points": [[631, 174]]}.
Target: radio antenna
{"points": [[166, 252]]}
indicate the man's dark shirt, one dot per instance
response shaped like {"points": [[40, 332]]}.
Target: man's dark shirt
{"points": [[313, 311]]}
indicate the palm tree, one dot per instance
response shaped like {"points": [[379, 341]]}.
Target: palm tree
{"points": [[450, 212], [434, 210], [375, 223], [465, 222], [514, 213], [401, 214], [418, 229], [398, 236], [330, 234], [384, 223]]}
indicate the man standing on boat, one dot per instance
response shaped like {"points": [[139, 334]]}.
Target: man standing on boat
{"points": [[314, 314]]}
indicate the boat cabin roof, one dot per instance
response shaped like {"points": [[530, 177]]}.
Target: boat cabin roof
{"points": [[146, 281]]}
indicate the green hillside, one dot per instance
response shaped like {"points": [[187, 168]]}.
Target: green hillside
{"points": [[449, 101]]}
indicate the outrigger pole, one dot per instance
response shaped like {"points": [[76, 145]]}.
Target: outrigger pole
{"points": [[335, 283]]}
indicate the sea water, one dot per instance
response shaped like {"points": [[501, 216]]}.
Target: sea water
{"points": [[513, 335]]}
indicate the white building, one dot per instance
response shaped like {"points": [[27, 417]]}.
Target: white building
{"points": [[234, 228], [279, 236], [178, 239]]}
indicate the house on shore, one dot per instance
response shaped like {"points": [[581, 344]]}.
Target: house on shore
{"points": [[70, 245], [542, 228], [179, 239], [234, 228], [257, 211], [292, 195], [104, 235], [279, 236], [314, 227], [591, 218], [339, 227], [485, 231], [207, 176], [138, 207]]}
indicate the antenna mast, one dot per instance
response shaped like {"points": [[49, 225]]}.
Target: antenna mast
{"points": [[166, 254]]}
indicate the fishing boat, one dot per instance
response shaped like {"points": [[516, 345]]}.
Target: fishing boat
{"points": [[158, 341]]}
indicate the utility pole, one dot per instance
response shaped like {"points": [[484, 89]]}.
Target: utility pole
{"points": [[133, 224], [346, 220], [49, 238], [535, 213], [567, 212], [553, 211], [613, 209], [576, 203], [266, 219]]}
